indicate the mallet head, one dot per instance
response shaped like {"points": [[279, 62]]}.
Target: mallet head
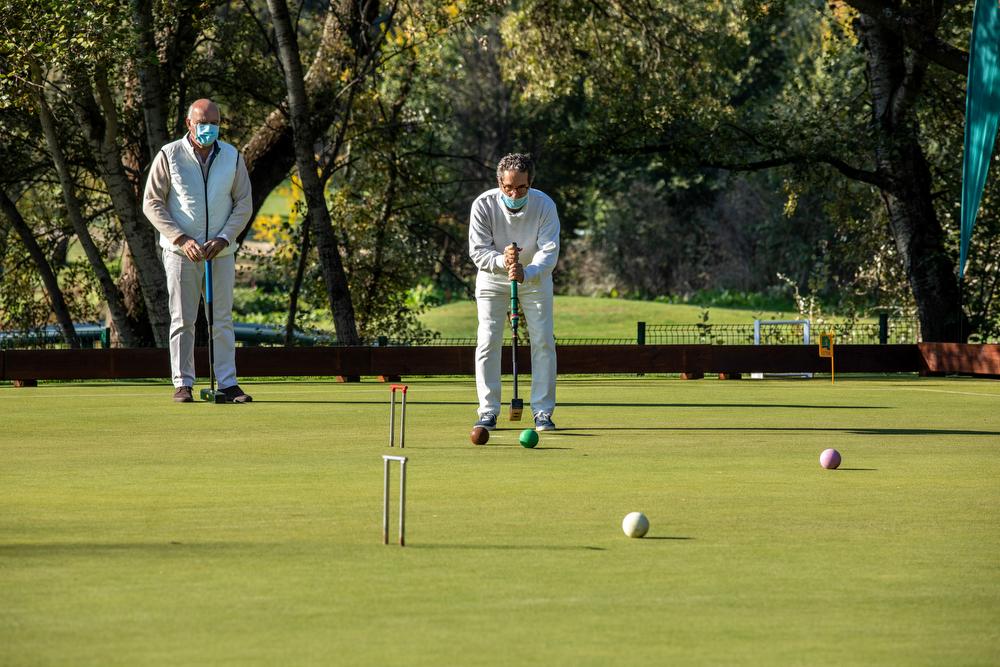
{"points": [[516, 408], [213, 396]]}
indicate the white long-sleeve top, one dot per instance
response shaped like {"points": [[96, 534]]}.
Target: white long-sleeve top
{"points": [[534, 228]]}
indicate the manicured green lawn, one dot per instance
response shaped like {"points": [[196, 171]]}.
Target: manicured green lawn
{"points": [[591, 317], [135, 531]]}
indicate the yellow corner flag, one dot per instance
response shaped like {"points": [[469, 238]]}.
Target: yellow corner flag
{"points": [[826, 349]]}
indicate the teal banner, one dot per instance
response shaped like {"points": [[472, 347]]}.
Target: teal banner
{"points": [[982, 111]]}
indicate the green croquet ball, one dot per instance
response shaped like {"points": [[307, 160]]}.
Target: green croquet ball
{"points": [[528, 438]]}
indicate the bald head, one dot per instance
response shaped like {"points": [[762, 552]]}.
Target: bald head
{"points": [[204, 111], [203, 123]]}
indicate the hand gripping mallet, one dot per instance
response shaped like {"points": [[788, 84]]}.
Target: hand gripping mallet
{"points": [[516, 404], [211, 395]]}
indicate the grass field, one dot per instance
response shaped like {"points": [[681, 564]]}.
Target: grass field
{"points": [[136, 531], [592, 317]]}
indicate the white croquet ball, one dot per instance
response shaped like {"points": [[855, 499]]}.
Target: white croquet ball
{"points": [[635, 524]]}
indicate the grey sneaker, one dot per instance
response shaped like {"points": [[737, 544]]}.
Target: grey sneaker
{"points": [[543, 422], [183, 395], [487, 420]]}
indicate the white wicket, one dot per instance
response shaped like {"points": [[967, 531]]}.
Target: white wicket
{"points": [[392, 415], [386, 459]]}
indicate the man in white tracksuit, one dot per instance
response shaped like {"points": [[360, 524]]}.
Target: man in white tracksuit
{"points": [[198, 198], [509, 223]]}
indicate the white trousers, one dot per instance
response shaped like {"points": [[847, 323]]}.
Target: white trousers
{"points": [[493, 302], [185, 284]]}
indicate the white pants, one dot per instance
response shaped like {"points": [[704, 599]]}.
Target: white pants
{"points": [[492, 302], [185, 283]]}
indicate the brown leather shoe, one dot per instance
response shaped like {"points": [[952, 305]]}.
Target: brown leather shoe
{"points": [[183, 395], [236, 395]]}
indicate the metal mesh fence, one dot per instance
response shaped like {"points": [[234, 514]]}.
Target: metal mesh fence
{"points": [[698, 334], [522, 338], [898, 332], [888, 331], [849, 333]]}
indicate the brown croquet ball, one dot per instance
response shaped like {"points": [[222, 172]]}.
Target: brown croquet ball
{"points": [[479, 436]]}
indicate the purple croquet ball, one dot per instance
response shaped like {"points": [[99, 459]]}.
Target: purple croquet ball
{"points": [[830, 459]]}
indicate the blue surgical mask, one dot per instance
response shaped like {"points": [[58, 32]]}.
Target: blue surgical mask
{"points": [[513, 204], [206, 133]]}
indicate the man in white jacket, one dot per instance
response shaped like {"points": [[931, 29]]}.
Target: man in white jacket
{"points": [[198, 198], [509, 223]]}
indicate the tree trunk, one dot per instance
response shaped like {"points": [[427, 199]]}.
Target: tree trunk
{"points": [[377, 270], [4, 233], [151, 92], [293, 295], [135, 304], [338, 291], [896, 81], [270, 153], [124, 327], [56, 299], [392, 121], [102, 135], [177, 47]]}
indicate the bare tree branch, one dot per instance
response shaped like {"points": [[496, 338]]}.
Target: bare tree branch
{"points": [[870, 177], [915, 34]]}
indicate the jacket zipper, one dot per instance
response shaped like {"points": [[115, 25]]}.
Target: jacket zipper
{"points": [[204, 178]]}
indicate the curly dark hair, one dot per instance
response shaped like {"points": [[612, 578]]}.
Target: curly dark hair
{"points": [[516, 162]]}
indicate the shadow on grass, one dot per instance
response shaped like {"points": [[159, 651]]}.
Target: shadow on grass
{"points": [[108, 548], [507, 547], [666, 537], [858, 469], [104, 384], [754, 406], [472, 406], [569, 430], [491, 446]]}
